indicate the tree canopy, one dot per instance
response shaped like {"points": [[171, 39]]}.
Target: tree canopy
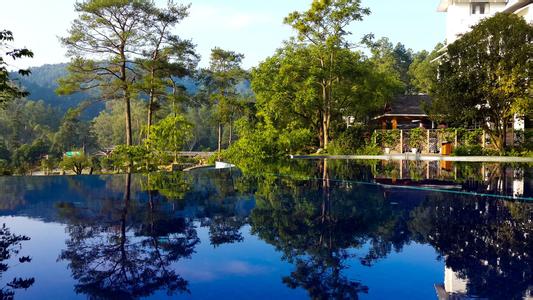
{"points": [[8, 89], [485, 76]]}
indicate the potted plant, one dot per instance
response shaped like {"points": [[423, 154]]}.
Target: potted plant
{"points": [[389, 140], [416, 139]]}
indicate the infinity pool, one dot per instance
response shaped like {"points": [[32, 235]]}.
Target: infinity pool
{"points": [[307, 230]]}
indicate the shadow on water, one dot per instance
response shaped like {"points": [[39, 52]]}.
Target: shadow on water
{"points": [[125, 234]]}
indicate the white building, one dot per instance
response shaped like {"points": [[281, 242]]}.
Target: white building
{"points": [[463, 14]]}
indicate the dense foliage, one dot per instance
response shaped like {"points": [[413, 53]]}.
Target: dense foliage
{"points": [[8, 89], [485, 76], [319, 92]]}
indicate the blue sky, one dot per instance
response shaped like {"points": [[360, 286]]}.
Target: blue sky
{"points": [[251, 27]]}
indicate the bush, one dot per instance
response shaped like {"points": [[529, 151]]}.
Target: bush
{"points": [[370, 150], [75, 163], [349, 141], [416, 138], [47, 165], [390, 138], [5, 169], [474, 150], [135, 159]]}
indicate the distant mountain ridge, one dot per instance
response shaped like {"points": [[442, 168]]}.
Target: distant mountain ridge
{"points": [[42, 83]]}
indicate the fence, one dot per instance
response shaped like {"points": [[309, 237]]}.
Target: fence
{"points": [[428, 140]]}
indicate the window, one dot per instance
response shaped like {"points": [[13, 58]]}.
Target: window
{"points": [[479, 8]]}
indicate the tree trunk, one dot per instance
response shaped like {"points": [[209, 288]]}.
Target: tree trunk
{"points": [[128, 119], [230, 133], [124, 79], [504, 140], [325, 124], [321, 133], [219, 137], [150, 113]]}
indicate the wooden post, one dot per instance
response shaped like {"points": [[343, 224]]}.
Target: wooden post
{"points": [[427, 149], [401, 140], [483, 139]]}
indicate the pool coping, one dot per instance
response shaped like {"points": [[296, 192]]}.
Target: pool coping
{"points": [[422, 157]]}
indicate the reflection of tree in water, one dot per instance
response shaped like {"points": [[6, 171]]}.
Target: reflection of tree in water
{"points": [[108, 261], [10, 246], [172, 186], [225, 230], [318, 224], [217, 193], [486, 241]]}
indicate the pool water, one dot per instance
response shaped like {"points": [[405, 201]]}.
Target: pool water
{"points": [[307, 230]]}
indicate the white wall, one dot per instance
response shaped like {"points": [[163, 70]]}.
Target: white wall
{"points": [[526, 13], [459, 18]]}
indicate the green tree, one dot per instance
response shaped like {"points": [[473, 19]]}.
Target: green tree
{"points": [[8, 90], [289, 100], [324, 26], [423, 70], [108, 126], [386, 60], [170, 134], [221, 79], [73, 133], [76, 163], [103, 43], [485, 76], [167, 56]]}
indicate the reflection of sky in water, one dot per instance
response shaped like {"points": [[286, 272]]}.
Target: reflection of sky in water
{"points": [[251, 269], [407, 225]]}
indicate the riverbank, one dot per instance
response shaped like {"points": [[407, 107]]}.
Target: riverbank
{"points": [[422, 157]]}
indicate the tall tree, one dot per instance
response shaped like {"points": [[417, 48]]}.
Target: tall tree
{"points": [[423, 70], [224, 74], [8, 90], [103, 43], [324, 26], [73, 133], [486, 76], [170, 134], [166, 57]]}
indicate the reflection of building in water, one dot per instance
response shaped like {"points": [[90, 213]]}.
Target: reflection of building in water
{"points": [[483, 178], [454, 287], [518, 183]]}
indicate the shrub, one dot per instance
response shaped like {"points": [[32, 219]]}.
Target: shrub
{"points": [[371, 149], [416, 138], [47, 165], [295, 141], [134, 159], [76, 163], [350, 140], [471, 137], [5, 169], [390, 138], [474, 150]]}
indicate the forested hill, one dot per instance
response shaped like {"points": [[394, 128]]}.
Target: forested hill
{"points": [[42, 83]]}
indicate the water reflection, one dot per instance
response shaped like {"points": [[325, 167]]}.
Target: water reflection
{"points": [[10, 250], [513, 181], [486, 244], [127, 235], [124, 250]]}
